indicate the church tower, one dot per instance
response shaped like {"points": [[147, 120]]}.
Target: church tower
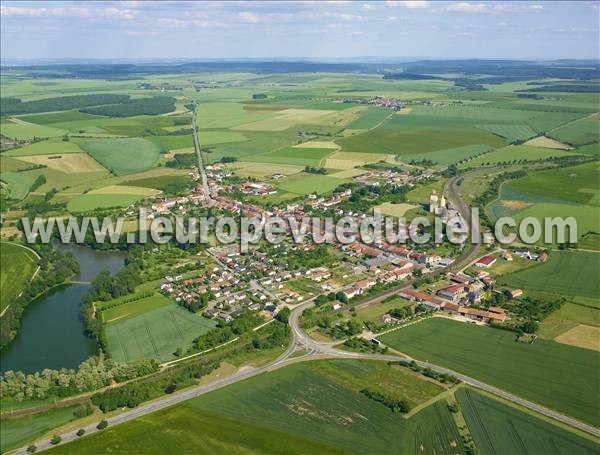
{"points": [[433, 201]]}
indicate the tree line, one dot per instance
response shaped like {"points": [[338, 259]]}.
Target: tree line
{"points": [[92, 374]]}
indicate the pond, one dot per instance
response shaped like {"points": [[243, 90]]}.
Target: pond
{"points": [[52, 331]]}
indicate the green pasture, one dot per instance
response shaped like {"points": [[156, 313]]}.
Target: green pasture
{"points": [[51, 147], [511, 132], [23, 130], [17, 183], [413, 135], [304, 156], [498, 428], [304, 183], [493, 356], [155, 334], [575, 184], [127, 309], [370, 118], [450, 156], [17, 266], [88, 202], [566, 272], [580, 132], [16, 432], [159, 182], [123, 156], [515, 153], [568, 316]]}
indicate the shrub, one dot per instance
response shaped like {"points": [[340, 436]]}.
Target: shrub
{"points": [[55, 440], [80, 432]]}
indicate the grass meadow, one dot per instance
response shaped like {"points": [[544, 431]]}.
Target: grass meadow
{"points": [[155, 334], [566, 272], [123, 156], [17, 266]]}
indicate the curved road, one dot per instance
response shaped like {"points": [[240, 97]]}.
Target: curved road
{"points": [[317, 350]]}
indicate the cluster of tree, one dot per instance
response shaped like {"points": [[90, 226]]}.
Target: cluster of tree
{"points": [[228, 159], [440, 377], [129, 395], [278, 336], [319, 256], [410, 76], [325, 298], [155, 105], [226, 331], [92, 374], [573, 88], [424, 162], [183, 161], [363, 345], [340, 329], [469, 85], [315, 170], [450, 171], [55, 268], [402, 313], [259, 96], [14, 106], [364, 197], [400, 406], [39, 181], [196, 304], [530, 311]]}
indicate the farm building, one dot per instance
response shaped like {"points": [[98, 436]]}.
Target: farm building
{"points": [[485, 261]]}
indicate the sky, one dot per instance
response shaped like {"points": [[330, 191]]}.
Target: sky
{"points": [[296, 29]]}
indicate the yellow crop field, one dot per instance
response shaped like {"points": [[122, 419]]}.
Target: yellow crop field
{"points": [[318, 145], [546, 142], [69, 163], [583, 336], [125, 189]]}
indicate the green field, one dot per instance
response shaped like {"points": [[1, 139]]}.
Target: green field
{"points": [[155, 334], [413, 135], [24, 130], [220, 137], [498, 428], [514, 153], [567, 317], [51, 147], [510, 132], [16, 432], [300, 156], [16, 268], [566, 272], [577, 184], [304, 183], [580, 132], [450, 156], [17, 183], [370, 119], [88, 202], [123, 156], [130, 310], [306, 408], [160, 182], [493, 356]]}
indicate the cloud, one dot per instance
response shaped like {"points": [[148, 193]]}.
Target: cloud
{"points": [[248, 17], [517, 8], [465, 7], [410, 4], [343, 16], [112, 12], [168, 22]]}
